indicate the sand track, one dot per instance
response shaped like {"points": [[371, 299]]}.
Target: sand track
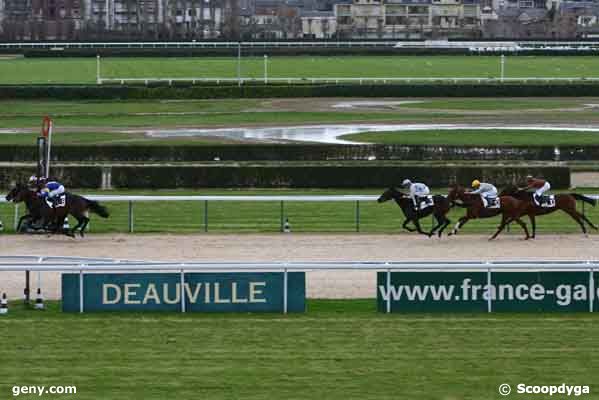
{"points": [[293, 247]]}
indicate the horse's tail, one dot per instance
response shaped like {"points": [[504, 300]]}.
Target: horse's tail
{"points": [[97, 208], [586, 199]]}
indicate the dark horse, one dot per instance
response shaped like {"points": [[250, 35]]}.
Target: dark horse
{"points": [[511, 209], [77, 206], [439, 210], [564, 201]]}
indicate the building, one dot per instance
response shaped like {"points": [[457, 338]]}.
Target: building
{"points": [[318, 24], [55, 19], [408, 19]]}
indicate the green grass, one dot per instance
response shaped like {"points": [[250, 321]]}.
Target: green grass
{"points": [[504, 104], [265, 217], [336, 350], [109, 138], [216, 119], [479, 137], [83, 70]]}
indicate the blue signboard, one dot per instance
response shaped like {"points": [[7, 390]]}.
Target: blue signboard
{"points": [[203, 292]]}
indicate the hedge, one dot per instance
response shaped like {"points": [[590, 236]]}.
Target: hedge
{"points": [[253, 90], [299, 176], [298, 152], [80, 177]]}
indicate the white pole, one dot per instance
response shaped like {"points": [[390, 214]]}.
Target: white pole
{"points": [[502, 67], [265, 68], [98, 77], [48, 147], [238, 63]]}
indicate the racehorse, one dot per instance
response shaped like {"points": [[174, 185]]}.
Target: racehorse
{"points": [[511, 209], [75, 205], [563, 201], [439, 209]]}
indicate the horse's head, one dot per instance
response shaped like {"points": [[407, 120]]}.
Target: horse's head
{"points": [[389, 194], [509, 190], [455, 192], [18, 193]]}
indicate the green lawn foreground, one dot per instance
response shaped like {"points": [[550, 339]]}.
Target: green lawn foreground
{"points": [[265, 217], [83, 70], [336, 350]]}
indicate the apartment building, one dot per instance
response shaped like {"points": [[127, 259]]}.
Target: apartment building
{"points": [[408, 18]]}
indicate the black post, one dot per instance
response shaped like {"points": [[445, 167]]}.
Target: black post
{"points": [[27, 291]]}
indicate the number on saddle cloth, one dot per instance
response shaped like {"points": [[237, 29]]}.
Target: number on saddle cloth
{"points": [[426, 201], [60, 201], [547, 201], [493, 202]]}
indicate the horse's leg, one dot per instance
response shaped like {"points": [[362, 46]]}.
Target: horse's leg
{"points": [[588, 221], [21, 221], [440, 220], [461, 222], [576, 216], [419, 228], [504, 221], [523, 225], [80, 223], [445, 225], [405, 225], [533, 222]]}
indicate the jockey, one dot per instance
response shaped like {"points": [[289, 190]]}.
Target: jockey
{"points": [[51, 190], [416, 190], [540, 186], [486, 191]]}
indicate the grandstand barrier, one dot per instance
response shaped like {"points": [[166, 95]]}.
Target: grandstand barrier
{"points": [[460, 286]]}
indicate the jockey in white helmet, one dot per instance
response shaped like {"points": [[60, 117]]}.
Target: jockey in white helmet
{"points": [[416, 190]]}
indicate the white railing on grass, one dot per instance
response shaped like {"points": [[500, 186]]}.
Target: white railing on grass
{"points": [[362, 80], [291, 44], [81, 267], [205, 199]]}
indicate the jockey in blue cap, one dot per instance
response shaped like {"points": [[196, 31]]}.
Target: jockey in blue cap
{"points": [[52, 190]]}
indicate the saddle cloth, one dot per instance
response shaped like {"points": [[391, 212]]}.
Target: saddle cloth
{"points": [[426, 201], [60, 201], [547, 201], [493, 202]]}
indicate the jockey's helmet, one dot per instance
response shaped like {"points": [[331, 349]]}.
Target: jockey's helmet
{"points": [[529, 178], [33, 181], [475, 183], [406, 183]]}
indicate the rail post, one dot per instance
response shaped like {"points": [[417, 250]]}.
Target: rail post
{"points": [[16, 221], [282, 217], [502, 63], [205, 215], [182, 289], [130, 216], [591, 287], [489, 301], [285, 290], [388, 289], [265, 69], [98, 77], [357, 215], [81, 289]]}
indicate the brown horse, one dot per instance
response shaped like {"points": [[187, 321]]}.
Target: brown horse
{"points": [[440, 208], [511, 209], [563, 201], [53, 217]]}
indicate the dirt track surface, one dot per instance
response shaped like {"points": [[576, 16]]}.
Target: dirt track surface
{"points": [[292, 247]]}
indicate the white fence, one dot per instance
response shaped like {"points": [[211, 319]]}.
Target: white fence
{"points": [[86, 266], [356, 199], [290, 44]]}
